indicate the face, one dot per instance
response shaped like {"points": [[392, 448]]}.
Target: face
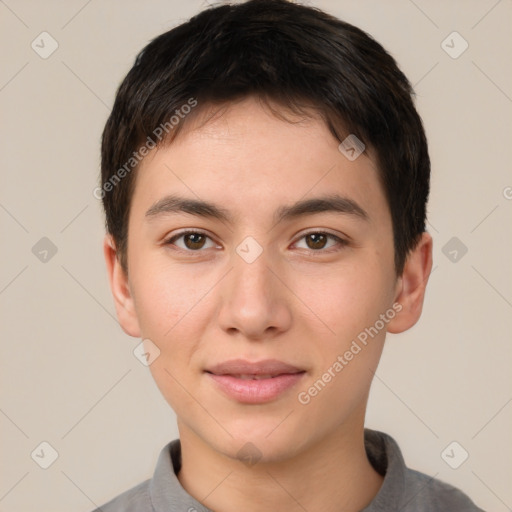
{"points": [[276, 277]]}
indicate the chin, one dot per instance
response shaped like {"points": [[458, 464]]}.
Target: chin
{"points": [[266, 441]]}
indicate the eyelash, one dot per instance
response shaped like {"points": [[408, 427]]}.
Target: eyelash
{"points": [[340, 241]]}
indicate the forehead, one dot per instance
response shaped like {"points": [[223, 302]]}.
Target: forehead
{"points": [[245, 158]]}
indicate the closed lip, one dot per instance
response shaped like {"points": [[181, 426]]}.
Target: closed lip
{"points": [[267, 367]]}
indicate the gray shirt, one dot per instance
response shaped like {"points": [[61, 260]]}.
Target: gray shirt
{"points": [[403, 489]]}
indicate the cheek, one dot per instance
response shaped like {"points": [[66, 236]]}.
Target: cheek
{"points": [[345, 358], [171, 315], [345, 300], [350, 303], [167, 297]]}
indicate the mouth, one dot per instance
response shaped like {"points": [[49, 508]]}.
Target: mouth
{"points": [[266, 368], [252, 377], [255, 382]]}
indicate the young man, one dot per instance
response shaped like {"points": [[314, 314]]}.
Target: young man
{"points": [[265, 177]]}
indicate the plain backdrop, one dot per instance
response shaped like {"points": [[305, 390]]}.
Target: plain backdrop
{"points": [[69, 377]]}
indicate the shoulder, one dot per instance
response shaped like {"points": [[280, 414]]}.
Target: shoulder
{"points": [[407, 489], [427, 494], [136, 499]]}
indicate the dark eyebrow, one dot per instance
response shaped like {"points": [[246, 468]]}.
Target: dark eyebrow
{"points": [[332, 203], [176, 204]]}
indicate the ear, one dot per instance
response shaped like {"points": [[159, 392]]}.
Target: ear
{"points": [[411, 285], [120, 288]]}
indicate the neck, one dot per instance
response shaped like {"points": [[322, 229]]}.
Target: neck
{"points": [[337, 466]]}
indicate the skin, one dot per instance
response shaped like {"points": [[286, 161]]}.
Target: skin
{"points": [[298, 302]]}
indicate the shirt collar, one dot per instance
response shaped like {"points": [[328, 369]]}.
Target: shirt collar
{"points": [[385, 456], [166, 492]]}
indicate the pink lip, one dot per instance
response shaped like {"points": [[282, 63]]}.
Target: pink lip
{"points": [[282, 376]]}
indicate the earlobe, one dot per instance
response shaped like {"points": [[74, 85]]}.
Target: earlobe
{"points": [[120, 288], [412, 284]]}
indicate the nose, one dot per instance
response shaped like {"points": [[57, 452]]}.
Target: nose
{"points": [[255, 303]]}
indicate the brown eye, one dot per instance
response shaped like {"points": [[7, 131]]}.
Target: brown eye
{"points": [[194, 240], [190, 241], [318, 240]]}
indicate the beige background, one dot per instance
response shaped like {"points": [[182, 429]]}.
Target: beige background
{"points": [[69, 376]]}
